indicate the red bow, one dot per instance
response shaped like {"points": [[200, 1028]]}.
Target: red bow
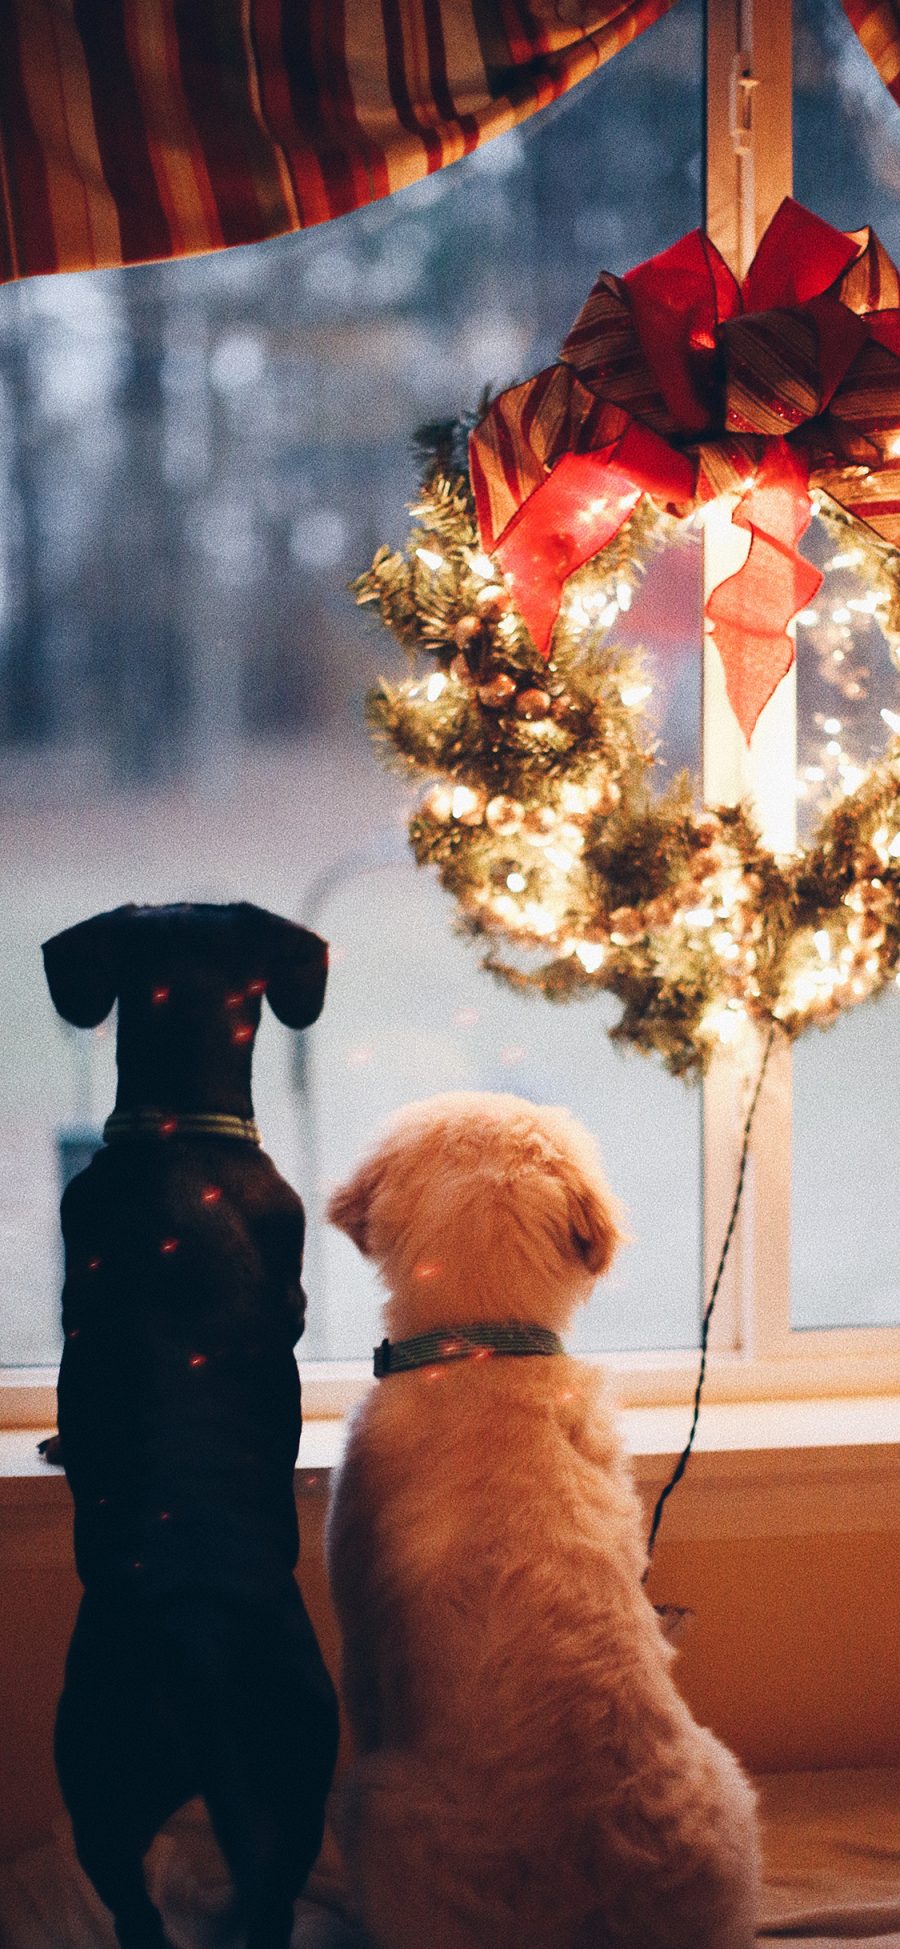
{"points": [[677, 382]]}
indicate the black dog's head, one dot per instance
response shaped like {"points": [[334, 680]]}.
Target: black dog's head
{"points": [[189, 981]]}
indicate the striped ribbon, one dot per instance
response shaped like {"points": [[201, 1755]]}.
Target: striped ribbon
{"points": [[476, 1342], [140, 129]]}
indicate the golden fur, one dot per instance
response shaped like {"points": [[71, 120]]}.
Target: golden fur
{"points": [[528, 1777]]}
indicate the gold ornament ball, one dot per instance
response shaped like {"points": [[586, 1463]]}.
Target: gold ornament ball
{"points": [[497, 691], [504, 814], [865, 929], [465, 631], [539, 821], [492, 601], [532, 704], [626, 924], [605, 796]]}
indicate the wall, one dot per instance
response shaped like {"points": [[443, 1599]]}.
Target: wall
{"points": [[789, 1562]]}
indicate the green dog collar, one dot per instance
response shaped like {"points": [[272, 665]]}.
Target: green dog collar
{"points": [[451, 1343], [186, 1123]]}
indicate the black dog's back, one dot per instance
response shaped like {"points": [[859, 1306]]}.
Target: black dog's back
{"points": [[179, 1401]]}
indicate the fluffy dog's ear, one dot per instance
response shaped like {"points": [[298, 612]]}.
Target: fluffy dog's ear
{"points": [[594, 1222], [82, 968], [348, 1207]]}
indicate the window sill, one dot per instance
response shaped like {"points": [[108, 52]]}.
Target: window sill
{"points": [[760, 1468]]}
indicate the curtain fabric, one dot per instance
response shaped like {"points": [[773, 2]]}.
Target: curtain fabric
{"points": [[133, 130], [877, 22]]}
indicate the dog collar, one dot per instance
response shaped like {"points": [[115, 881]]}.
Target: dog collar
{"points": [[449, 1343], [187, 1123]]}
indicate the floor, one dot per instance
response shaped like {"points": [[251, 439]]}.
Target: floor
{"points": [[832, 1850]]}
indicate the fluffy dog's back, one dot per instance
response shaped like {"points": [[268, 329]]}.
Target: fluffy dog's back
{"points": [[529, 1760], [529, 1777]]}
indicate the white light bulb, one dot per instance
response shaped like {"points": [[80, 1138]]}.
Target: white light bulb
{"points": [[430, 558], [435, 685], [591, 955]]}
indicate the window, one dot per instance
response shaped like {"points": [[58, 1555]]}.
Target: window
{"points": [[195, 459]]}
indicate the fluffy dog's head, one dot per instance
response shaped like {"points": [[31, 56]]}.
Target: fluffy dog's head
{"points": [[481, 1207]]}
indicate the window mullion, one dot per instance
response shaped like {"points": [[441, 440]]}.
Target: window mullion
{"points": [[748, 171]]}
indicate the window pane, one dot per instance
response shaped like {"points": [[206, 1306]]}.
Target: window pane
{"points": [[194, 459], [846, 1262], [411, 1014]]}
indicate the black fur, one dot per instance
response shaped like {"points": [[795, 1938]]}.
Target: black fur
{"points": [[193, 1667]]}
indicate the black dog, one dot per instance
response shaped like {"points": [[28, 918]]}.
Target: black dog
{"points": [[193, 1668]]}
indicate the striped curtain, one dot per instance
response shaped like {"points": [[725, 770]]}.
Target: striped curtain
{"points": [[877, 22], [140, 129]]}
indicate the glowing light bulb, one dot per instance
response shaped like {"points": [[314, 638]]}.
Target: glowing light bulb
{"points": [[822, 940], [832, 725], [464, 800], [724, 1022], [574, 798], [892, 720], [591, 955], [483, 566], [623, 595], [435, 685], [430, 558], [538, 919], [634, 694], [516, 882], [808, 617]]}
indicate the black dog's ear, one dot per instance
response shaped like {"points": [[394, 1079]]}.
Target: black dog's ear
{"points": [[297, 972], [82, 968]]}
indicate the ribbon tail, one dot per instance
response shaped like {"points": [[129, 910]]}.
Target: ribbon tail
{"points": [[580, 507], [750, 611]]}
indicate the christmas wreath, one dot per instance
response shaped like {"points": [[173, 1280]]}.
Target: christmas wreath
{"points": [[526, 544]]}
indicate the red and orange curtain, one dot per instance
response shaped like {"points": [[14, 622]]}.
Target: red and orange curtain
{"points": [[877, 22], [140, 129]]}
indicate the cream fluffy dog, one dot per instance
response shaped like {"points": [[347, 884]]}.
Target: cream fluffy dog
{"points": [[528, 1777]]}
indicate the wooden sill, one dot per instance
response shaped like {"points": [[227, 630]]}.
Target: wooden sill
{"points": [[760, 1468]]}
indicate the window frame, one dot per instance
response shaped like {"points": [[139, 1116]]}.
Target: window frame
{"points": [[755, 1351]]}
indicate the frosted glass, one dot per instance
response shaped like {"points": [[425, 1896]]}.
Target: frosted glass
{"points": [[846, 1207]]}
